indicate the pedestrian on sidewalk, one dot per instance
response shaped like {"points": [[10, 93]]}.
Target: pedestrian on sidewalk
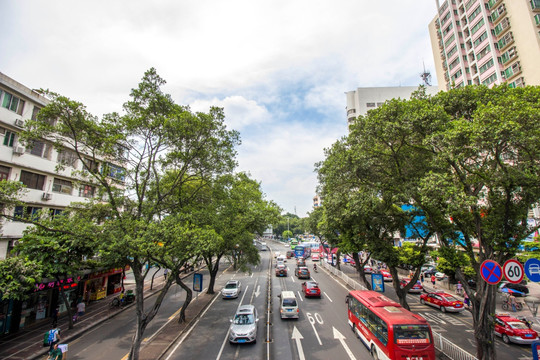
{"points": [[55, 353], [459, 288], [165, 273], [422, 277], [54, 316], [54, 338], [81, 308], [433, 279], [466, 300]]}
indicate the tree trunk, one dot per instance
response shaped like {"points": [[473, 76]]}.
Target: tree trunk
{"points": [[213, 270], [360, 270], [189, 296], [401, 293], [482, 310], [66, 302], [338, 258], [141, 318]]}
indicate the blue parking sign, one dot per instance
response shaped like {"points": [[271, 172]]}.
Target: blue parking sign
{"points": [[532, 270]]}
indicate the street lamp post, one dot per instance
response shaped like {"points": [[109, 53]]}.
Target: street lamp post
{"points": [[288, 236]]}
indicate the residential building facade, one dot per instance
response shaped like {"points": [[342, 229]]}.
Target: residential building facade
{"points": [[47, 189], [486, 42], [361, 100]]}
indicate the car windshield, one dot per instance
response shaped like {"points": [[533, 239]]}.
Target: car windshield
{"points": [[312, 285], [244, 319], [518, 325], [230, 286], [411, 334], [289, 302]]}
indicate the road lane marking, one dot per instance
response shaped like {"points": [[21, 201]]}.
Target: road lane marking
{"points": [[229, 329], [341, 338], [298, 337], [328, 297], [299, 295], [189, 331], [312, 322]]}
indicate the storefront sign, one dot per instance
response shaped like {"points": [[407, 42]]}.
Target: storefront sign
{"points": [[105, 273], [68, 283]]}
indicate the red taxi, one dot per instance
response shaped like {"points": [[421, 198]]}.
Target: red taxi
{"points": [[417, 288], [514, 330], [311, 289], [315, 256], [386, 275], [441, 300]]}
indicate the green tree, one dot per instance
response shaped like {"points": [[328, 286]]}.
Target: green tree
{"points": [[154, 137], [468, 159]]}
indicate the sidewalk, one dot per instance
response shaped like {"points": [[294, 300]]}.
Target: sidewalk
{"points": [[28, 343]]}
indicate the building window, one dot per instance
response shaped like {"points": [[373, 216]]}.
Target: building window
{"points": [[380, 104], [370, 105], [55, 212], [31, 180], [114, 171], [62, 186], [490, 79], [477, 27], [67, 157], [26, 212], [87, 191], [450, 39], [475, 13], [480, 39], [4, 172], [451, 52], [9, 137], [486, 66], [483, 52], [39, 148], [12, 103]]}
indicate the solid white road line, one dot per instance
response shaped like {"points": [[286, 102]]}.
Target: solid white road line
{"points": [[227, 335]]}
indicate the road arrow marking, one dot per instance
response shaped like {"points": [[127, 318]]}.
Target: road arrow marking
{"points": [[341, 338], [297, 336], [257, 293]]}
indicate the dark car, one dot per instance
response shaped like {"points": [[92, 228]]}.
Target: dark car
{"points": [[518, 290]]}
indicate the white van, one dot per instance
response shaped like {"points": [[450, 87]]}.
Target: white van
{"points": [[288, 306], [281, 258]]}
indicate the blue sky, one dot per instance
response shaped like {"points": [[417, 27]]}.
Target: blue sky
{"points": [[279, 68]]}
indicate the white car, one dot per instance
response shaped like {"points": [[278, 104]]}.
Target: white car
{"points": [[232, 289], [244, 325]]}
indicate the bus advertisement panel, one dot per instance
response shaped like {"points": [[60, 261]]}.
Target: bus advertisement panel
{"points": [[302, 251], [388, 330]]}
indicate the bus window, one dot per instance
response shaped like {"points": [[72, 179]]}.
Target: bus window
{"points": [[411, 334]]}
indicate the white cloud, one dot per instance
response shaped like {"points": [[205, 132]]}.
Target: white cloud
{"points": [[279, 68]]}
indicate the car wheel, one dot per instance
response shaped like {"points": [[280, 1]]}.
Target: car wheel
{"points": [[443, 309], [422, 301], [506, 339], [374, 352]]}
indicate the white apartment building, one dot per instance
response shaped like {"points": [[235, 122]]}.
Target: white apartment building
{"points": [[34, 166], [361, 100], [486, 42]]}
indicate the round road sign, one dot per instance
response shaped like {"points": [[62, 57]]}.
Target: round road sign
{"points": [[532, 269], [491, 272], [513, 271]]}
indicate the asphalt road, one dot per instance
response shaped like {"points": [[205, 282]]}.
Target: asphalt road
{"points": [[321, 332]]}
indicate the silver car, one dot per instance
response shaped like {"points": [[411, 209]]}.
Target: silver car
{"points": [[244, 325], [232, 289]]}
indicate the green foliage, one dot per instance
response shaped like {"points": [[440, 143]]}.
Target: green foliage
{"points": [[287, 234], [18, 276]]}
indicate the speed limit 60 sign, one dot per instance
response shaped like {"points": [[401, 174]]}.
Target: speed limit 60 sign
{"points": [[513, 271]]}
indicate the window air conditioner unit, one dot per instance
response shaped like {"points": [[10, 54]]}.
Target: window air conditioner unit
{"points": [[19, 123], [19, 150], [46, 196]]}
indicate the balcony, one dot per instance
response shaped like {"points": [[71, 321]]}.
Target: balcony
{"points": [[535, 5], [519, 82], [512, 71], [507, 39], [496, 15], [502, 27], [537, 19], [492, 3], [508, 55]]}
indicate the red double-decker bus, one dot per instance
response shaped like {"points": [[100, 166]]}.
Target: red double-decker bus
{"points": [[387, 329]]}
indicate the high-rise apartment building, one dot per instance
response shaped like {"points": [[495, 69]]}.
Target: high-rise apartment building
{"points": [[486, 42]]}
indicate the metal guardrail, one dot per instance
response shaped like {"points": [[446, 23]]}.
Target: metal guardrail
{"points": [[445, 346]]}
